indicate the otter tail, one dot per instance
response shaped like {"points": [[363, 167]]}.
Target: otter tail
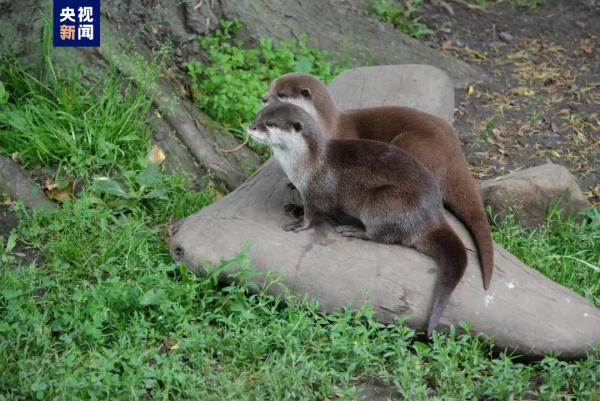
{"points": [[449, 252], [462, 198]]}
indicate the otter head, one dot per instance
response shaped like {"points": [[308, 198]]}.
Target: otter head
{"points": [[285, 127], [304, 91]]}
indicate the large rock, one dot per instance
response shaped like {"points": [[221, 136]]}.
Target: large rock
{"points": [[423, 87], [522, 310], [345, 30], [529, 193]]}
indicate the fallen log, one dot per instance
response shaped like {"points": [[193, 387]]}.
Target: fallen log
{"points": [[522, 310]]}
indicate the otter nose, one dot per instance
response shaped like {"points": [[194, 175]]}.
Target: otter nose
{"points": [[265, 99], [253, 126]]}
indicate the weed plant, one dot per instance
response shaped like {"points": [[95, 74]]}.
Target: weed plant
{"points": [[401, 15]]}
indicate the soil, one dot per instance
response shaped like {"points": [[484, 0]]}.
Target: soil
{"points": [[21, 254], [542, 100]]}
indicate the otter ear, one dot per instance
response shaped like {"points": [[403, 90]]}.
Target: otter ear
{"points": [[297, 126], [306, 93]]}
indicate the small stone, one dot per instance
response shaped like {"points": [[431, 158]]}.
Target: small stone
{"points": [[530, 192], [459, 42], [506, 37], [446, 30]]}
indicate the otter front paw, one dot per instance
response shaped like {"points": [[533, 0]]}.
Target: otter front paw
{"points": [[296, 226], [295, 210], [352, 231]]}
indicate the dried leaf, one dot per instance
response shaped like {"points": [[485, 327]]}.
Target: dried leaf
{"points": [[7, 202], [446, 45], [157, 155], [49, 185], [61, 194], [471, 90], [522, 91], [586, 46], [474, 54], [554, 153]]}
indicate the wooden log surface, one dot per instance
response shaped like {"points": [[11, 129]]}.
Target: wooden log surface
{"points": [[522, 310]]}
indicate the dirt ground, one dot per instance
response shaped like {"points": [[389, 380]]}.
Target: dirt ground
{"points": [[21, 254], [542, 99]]}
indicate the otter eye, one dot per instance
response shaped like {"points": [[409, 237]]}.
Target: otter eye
{"points": [[270, 124], [281, 95], [305, 92]]}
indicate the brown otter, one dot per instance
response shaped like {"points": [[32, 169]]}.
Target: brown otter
{"points": [[398, 204], [426, 137]]}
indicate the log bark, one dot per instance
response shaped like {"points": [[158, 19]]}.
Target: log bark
{"points": [[522, 310]]}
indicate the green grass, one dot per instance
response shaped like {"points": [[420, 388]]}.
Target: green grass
{"points": [[62, 121], [567, 252], [400, 15], [110, 316]]}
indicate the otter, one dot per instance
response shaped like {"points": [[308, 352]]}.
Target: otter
{"points": [[426, 137], [398, 204]]}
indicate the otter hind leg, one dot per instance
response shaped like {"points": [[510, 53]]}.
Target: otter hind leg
{"points": [[353, 232]]}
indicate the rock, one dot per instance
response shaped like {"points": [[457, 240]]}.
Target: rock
{"points": [[530, 192], [20, 187], [506, 37], [344, 30], [397, 281], [424, 87]]}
